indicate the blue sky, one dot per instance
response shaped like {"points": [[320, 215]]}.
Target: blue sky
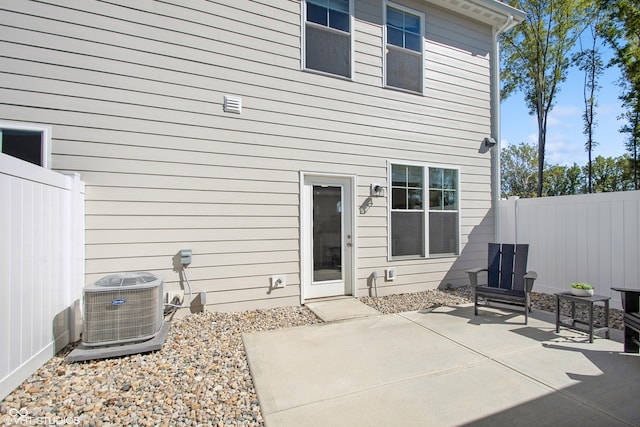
{"points": [[565, 140]]}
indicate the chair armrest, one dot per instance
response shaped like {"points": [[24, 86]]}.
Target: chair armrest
{"points": [[529, 278], [630, 299], [473, 275]]}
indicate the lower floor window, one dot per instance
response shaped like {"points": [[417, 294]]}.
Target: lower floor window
{"points": [[424, 214]]}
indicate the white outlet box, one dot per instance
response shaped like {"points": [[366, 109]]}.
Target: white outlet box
{"points": [[172, 294], [278, 281], [390, 274]]}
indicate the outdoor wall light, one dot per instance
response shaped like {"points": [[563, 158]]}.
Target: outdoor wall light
{"points": [[489, 142], [377, 190]]}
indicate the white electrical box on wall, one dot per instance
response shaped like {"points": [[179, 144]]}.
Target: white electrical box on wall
{"points": [[390, 274]]}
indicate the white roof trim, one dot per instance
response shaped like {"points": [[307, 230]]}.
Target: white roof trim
{"points": [[490, 12]]}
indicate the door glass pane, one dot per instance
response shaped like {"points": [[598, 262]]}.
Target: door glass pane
{"points": [[327, 233]]}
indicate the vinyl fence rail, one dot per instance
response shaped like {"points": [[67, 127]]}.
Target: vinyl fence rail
{"points": [[591, 238], [41, 266]]}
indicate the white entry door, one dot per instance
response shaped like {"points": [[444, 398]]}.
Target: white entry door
{"points": [[327, 236]]}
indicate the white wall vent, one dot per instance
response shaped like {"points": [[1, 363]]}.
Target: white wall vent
{"points": [[122, 308], [232, 104]]}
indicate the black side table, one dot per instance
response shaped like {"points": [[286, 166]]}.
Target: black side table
{"points": [[591, 300]]}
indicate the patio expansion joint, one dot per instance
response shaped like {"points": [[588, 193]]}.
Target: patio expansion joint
{"points": [[494, 359]]}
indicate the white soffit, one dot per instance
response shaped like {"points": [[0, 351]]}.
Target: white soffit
{"points": [[491, 12]]}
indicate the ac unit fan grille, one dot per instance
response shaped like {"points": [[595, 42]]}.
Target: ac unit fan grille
{"points": [[121, 315]]}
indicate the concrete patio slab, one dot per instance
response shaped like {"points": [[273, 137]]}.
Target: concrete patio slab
{"points": [[440, 368]]}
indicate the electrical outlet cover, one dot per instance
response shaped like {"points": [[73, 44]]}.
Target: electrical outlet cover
{"points": [[390, 273]]}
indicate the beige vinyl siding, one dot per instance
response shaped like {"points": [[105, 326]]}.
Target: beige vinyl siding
{"points": [[134, 91]]}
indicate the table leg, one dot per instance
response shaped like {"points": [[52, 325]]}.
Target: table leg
{"points": [[557, 314], [591, 322], [606, 318], [573, 313]]}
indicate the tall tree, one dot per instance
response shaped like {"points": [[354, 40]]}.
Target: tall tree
{"points": [[536, 57], [632, 128], [589, 60], [622, 32]]}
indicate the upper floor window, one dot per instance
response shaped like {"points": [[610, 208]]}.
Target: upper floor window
{"points": [[424, 211], [404, 62], [26, 142], [327, 35]]}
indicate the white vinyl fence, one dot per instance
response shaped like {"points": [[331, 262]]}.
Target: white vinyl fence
{"points": [[591, 238], [41, 266]]}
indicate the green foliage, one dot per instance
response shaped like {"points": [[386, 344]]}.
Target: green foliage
{"points": [[536, 57], [580, 285], [519, 176], [563, 180], [519, 164], [621, 29], [535, 60]]}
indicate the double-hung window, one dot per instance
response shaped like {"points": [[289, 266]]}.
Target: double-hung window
{"points": [[404, 60], [424, 214], [327, 35], [26, 142]]}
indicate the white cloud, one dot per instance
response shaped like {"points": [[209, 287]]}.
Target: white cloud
{"points": [[561, 149], [563, 116]]}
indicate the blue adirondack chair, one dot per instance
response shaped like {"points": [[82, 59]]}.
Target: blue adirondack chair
{"points": [[508, 280]]}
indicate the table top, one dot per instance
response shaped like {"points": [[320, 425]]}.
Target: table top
{"points": [[570, 296]]}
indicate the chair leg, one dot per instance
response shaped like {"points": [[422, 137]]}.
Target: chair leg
{"points": [[475, 305]]}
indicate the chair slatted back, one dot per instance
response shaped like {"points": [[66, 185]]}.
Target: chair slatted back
{"points": [[507, 265]]}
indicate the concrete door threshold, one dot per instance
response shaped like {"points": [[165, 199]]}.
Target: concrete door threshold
{"points": [[333, 309]]}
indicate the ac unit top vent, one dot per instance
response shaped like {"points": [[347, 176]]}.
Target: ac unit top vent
{"points": [[126, 279]]}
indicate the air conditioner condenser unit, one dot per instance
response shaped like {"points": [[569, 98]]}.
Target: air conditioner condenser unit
{"points": [[122, 314]]}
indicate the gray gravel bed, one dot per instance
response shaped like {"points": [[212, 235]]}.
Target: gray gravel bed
{"points": [[201, 375], [462, 295]]}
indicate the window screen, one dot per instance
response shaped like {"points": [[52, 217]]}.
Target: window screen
{"points": [[404, 60], [328, 36]]}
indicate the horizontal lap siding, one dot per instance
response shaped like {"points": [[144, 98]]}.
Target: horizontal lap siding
{"points": [[134, 92], [457, 54]]}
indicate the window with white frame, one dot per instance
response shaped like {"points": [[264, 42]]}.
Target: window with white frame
{"points": [[404, 58], [327, 35], [26, 142], [419, 226]]}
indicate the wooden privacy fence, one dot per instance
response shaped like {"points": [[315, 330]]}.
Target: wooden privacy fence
{"points": [[592, 238], [41, 266]]}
